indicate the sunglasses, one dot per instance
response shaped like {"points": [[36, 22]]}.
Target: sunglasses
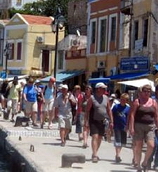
{"points": [[146, 91]]}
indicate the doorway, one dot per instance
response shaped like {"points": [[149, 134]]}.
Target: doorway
{"points": [[45, 60]]}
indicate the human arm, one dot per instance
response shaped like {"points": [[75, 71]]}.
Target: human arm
{"points": [[56, 109], [72, 99], [134, 106], [109, 112], [87, 112], [24, 93], [156, 113]]}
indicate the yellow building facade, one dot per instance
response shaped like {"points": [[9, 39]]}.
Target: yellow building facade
{"points": [[31, 45]]}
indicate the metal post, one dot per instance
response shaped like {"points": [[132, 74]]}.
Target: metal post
{"points": [[56, 49], [6, 62]]}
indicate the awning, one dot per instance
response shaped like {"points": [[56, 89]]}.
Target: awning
{"points": [[129, 75], [62, 76], [156, 66], [96, 80], [138, 83]]}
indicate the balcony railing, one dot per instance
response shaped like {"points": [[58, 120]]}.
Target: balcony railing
{"points": [[126, 6]]}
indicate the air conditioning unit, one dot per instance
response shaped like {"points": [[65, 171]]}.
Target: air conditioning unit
{"points": [[40, 39], [101, 64], [75, 42], [114, 71]]}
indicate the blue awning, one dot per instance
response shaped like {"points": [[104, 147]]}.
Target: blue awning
{"points": [[129, 75], [118, 77], [62, 76], [96, 80], [156, 66]]}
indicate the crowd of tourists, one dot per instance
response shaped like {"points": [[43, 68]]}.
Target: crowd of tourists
{"points": [[94, 111]]}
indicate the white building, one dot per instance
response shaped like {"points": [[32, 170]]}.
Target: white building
{"points": [[6, 4]]}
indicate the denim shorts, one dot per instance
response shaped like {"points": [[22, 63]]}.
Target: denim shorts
{"points": [[79, 123], [120, 137]]}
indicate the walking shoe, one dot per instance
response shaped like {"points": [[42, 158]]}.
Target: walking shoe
{"points": [[50, 127], [12, 120], [81, 138], [84, 146], [156, 168], [34, 124], [145, 168], [63, 143], [139, 170], [118, 159], [42, 126]]}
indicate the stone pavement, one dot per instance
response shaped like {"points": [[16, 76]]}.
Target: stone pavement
{"points": [[47, 153]]}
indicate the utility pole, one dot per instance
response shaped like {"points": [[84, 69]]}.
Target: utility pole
{"points": [[7, 53], [130, 28]]}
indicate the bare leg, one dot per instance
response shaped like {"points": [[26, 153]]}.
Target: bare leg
{"points": [[149, 151], [138, 149], [96, 141], [34, 117], [85, 136], [118, 150], [51, 117]]}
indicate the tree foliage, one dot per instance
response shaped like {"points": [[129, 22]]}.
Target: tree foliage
{"points": [[43, 7]]}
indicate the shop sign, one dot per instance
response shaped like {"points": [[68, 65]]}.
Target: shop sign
{"points": [[134, 63]]}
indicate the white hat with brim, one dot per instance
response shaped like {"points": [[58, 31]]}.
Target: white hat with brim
{"points": [[65, 86], [100, 85]]}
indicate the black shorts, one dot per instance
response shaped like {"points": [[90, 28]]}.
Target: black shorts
{"points": [[96, 127]]}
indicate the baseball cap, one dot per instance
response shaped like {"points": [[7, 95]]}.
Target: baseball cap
{"points": [[52, 79], [112, 96], [100, 85], [37, 81], [60, 86], [65, 86], [15, 78]]}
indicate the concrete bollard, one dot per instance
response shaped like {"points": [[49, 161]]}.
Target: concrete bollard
{"points": [[69, 159]]}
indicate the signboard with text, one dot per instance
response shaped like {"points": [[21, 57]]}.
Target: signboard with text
{"points": [[134, 63]]}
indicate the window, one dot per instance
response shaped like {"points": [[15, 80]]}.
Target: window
{"points": [[102, 35], [11, 51], [145, 33], [18, 2], [113, 28], [93, 32], [136, 28], [60, 60], [19, 50]]}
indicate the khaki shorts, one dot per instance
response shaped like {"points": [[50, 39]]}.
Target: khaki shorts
{"points": [[144, 132], [48, 105], [31, 107], [12, 104], [65, 122]]}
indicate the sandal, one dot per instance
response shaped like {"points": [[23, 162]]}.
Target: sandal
{"points": [[84, 146], [94, 159], [145, 168]]}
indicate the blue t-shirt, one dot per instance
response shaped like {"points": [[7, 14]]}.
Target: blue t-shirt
{"points": [[120, 115], [49, 93], [31, 93]]}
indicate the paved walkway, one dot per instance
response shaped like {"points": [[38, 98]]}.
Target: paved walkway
{"points": [[48, 152]]}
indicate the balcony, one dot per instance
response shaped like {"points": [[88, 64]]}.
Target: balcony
{"points": [[126, 6]]}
